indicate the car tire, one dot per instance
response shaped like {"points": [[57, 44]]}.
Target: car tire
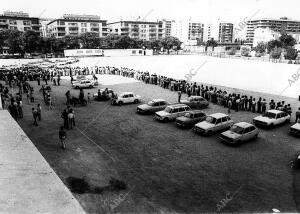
{"points": [[271, 126], [166, 120], [120, 103], [76, 87], [209, 133]]}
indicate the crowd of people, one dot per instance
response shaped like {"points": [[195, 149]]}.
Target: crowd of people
{"points": [[18, 80]]}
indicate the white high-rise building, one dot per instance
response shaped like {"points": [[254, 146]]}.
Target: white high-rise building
{"points": [[189, 32]]}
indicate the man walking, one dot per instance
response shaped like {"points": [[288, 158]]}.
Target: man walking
{"points": [[297, 115], [39, 112], [35, 115], [62, 136]]}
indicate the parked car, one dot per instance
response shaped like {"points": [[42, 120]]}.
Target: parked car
{"points": [[126, 97], [153, 106], [213, 123], [240, 132], [171, 112], [83, 84], [272, 118], [295, 129], [190, 118], [110, 91], [196, 102]]}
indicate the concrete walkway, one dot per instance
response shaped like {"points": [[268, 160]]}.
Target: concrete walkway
{"points": [[27, 182]]}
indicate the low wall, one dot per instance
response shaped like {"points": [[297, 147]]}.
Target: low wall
{"points": [[27, 182]]}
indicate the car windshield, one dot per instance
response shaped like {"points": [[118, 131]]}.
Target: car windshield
{"points": [[210, 119], [168, 109], [151, 103], [270, 115], [237, 129]]}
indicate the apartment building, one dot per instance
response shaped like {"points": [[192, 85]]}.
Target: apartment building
{"points": [[19, 21], [282, 25], [226, 33], [143, 30], [189, 32], [71, 24], [167, 27]]}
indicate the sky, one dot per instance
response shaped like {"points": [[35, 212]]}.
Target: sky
{"points": [[205, 11]]}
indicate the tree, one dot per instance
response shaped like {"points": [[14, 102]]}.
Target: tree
{"points": [[276, 53], [261, 47], [31, 40], [14, 42], [170, 42], [89, 40], [212, 43], [125, 42], [70, 42], [291, 53], [287, 40], [245, 50], [232, 51], [273, 44]]}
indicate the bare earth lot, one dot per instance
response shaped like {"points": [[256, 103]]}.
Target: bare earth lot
{"points": [[166, 169]]}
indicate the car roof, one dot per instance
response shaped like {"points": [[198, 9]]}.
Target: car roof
{"points": [[158, 100], [275, 111], [196, 111], [177, 105], [196, 97], [243, 124], [218, 115], [123, 93]]}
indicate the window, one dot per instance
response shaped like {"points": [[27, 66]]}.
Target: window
{"points": [[224, 119], [83, 30], [133, 52], [218, 121], [130, 95], [61, 23], [125, 96], [140, 51], [175, 110], [83, 24], [26, 23], [12, 22]]}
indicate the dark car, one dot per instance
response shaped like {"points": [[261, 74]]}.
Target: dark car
{"points": [[190, 118], [196, 102]]}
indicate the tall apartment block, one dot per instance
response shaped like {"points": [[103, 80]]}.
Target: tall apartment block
{"points": [[189, 32], [71, 24], [225, 32], [282, 25], [143, 30], [19, 21]]}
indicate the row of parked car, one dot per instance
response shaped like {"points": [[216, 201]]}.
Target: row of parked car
{"points": [[187, 114]]}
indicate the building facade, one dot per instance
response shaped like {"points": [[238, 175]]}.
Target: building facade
{"points": [[138, 29], [282, 25], [19, 21], [226, 33], [190, 33], [75, 25], [264, 35]]}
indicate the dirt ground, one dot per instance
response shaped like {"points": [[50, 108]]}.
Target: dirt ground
{"points": [[166, 169]]}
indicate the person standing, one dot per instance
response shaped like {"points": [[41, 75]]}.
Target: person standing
{"points": [[68, 95], [229, 104], [297, 115], [39, 112], [263, 106], [179, 96], [62, 136], [71, 120], [64, 116], [253, 105]]}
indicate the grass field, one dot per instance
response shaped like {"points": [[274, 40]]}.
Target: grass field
{"points": [[166, 169]]}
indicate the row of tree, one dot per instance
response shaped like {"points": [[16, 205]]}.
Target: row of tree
{"points": [[283, 45], [31, 42]]}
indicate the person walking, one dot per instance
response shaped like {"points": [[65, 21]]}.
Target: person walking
{"points": [[68, 95], [35, 115], [62, 137], [64, 116], [229, 105], [71, 120]]}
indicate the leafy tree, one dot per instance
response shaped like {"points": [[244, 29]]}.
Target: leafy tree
{"points": [[273, 44], [232, 51], [170, 42], [245, 50], [287, 40], [212, 43], [89, 40], [31, 41], [70, 42], [14, 42], [291, 53], [276, 53], [261, 47]]}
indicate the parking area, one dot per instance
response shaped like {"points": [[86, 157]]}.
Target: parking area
{"points": [[165, 168]]}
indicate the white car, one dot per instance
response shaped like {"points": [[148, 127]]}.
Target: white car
{"points": [[240, 132], [213, 123], [295, 129], [153, 106], [272, 118], [83, 84], [126, 97], [171, 112]]}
